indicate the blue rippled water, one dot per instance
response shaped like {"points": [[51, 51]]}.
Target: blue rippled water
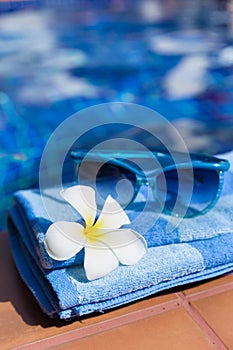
{"points": [[57, 58]]}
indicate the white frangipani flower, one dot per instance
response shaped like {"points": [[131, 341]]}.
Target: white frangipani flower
{"points": [[104, 242]]}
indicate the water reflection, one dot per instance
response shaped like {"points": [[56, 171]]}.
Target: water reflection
{"points": [[56, 58]]}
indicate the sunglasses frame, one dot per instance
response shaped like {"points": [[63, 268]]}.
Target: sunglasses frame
{"points": [[181, 161]]}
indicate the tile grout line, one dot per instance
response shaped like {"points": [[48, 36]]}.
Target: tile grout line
{"points": [[201, 322], [100, 327], [210, 292], [181, 300]]}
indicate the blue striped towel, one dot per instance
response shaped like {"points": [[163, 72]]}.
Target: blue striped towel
{"points": [[195, 250]]}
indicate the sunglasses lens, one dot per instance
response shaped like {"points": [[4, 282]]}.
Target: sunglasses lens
{"points": [[187, 192], [108, 179]]}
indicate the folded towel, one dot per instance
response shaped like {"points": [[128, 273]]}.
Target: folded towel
{"points": [[65, 292], [35, 221], [197, 249]]}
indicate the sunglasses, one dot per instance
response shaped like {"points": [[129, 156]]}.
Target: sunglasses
{"points": [[184, 185]]}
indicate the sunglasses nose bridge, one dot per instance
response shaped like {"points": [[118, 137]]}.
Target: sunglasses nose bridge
{"points": [[151, 182], [153, 185]]}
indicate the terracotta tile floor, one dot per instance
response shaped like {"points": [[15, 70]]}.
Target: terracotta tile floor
{"points": [[192, 317]]}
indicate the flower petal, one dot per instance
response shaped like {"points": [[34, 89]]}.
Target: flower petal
{"points": [[112, 215], [64, 239], [99, 261], [128, 245], [82, 198]]}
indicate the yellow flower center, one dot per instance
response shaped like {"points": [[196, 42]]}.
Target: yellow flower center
{"points": [[93, 233]]}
